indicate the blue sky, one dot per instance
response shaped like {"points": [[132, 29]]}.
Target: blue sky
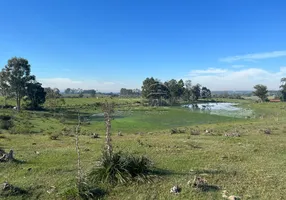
{"points": [[109, 44]]}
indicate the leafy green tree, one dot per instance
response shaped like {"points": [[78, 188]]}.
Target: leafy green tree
{"points": [[205, 93], [36, 94], [196, 92], [67, 91], [146, 87], [158, 92], [4, 87], [283, 89], [176, 89], [261, 91], [18, 76], [187, 94]]}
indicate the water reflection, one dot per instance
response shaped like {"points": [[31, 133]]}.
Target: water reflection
{"points": [[226, 109]]}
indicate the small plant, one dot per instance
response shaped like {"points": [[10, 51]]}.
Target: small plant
{"points": [[174, 131], [121, 168]]}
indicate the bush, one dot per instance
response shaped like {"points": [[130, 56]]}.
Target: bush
{"points": [[6, 122], [121, 168]]}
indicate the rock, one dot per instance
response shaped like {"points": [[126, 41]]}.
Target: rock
{"points": [[175, 189], [95, 135], [6, 186], [119, 133], [51, 190], [5, 157], [267, 131], [232, 197]]}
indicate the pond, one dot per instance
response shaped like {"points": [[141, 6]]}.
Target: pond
{"points": [[224, 109]]}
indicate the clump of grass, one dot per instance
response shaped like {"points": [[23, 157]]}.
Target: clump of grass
{"points": [[6, 122], [194, 132], [54, 136], [84, 191], [177, 130], [121, 168]]}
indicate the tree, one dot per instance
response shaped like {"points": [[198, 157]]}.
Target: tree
{"points": [[67, 91], [187, 94], [205, 93], [146, 86], [36, 94], [92, 93], [261, 91], [283, 89], [157, 92], [196, 92], [4, 87], [18, 76], [175, 88]]}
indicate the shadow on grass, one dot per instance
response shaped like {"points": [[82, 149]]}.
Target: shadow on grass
{"points": [[207, 171], [9, 190], [16, 161], [164, 172], [209, 188]]}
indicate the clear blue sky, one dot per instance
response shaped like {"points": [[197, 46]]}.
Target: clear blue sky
{"points": [[109, 44]]}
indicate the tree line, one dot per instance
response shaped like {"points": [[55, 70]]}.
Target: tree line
{"points": [[80, 92], [129, 92], [173, 91]]}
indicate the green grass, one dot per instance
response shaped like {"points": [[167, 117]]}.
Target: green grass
{"points": [[250, 166], [155, 120]]}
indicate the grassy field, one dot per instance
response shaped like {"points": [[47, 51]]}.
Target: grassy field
{"points": [[250, 166]]}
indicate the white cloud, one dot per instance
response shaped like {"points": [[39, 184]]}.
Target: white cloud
{"points": [[255, 56], [239, 79], [208, 71], [102, 86]]}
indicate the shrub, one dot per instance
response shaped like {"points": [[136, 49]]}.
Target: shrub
{"points": [[6, 122], [121, 168]]}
